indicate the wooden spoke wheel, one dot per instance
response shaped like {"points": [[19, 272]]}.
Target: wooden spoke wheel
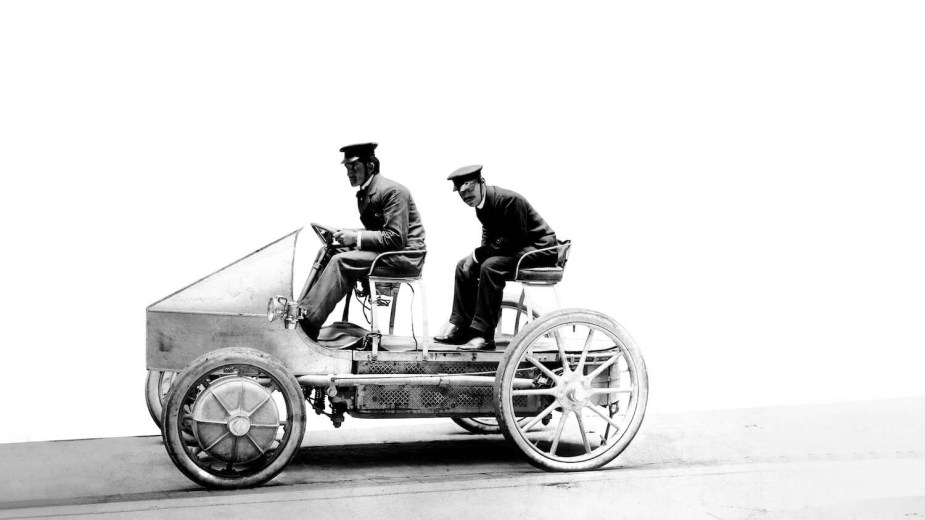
{"points": [[234, 418], [593, 383]]}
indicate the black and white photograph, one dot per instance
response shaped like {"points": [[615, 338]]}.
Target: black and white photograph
{"points": [[519, 260]]}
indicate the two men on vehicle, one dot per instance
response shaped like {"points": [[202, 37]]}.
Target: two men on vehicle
{"points": [[511, 227]]}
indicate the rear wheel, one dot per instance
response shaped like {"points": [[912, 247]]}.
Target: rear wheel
{"points": [[513, 319], [478, 425], [234, 418], [487, 425], [594, 384]]}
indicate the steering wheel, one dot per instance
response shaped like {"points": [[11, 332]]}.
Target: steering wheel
{"points": [[325, 233]]}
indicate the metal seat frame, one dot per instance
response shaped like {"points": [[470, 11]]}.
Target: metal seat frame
{"points": [[415, 282], [563, 251]]}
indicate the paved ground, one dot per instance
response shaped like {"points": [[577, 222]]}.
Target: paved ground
{"points": [[856, 460]]}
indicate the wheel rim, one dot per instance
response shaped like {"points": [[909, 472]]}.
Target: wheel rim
{"points": [[157, 386], [590, 386], [165, 380], [230, 421], [235, 420]]}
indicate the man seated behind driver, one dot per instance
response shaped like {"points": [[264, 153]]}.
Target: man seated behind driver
{"points": [[392, 223], [510, 229]]}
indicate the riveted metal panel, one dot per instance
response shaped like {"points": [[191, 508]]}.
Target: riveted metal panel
{"points": [[228, 309], [175, 339]]}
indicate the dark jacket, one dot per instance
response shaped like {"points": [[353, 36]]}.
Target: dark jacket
{"points": [[392, 223], [390, 217], [511, 227]]}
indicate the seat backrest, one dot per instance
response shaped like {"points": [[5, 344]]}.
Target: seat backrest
{"points": [[563, 253], [413, 272]]}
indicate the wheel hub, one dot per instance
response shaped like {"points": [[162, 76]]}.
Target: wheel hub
{"points": [[574, 393], [577, 394], [235, 419], [239, 425]]}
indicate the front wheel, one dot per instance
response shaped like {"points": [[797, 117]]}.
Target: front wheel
{"points": [[157, 386], [593, 384], [233, 419]]}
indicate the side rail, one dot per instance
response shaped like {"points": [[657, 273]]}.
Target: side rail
{"points": [[412, 253], [563, 250]]}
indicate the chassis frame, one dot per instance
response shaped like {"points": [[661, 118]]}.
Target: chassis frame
{"points": [[233, 412]]}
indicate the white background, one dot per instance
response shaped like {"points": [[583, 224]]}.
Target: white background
{"points": [[742, 181]]}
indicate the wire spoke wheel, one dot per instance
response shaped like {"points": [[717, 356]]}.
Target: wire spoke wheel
{"points": [[593, 384], [234, 418]]}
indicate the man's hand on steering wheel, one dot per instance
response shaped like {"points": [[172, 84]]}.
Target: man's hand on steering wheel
{"points": [[347, 237]]}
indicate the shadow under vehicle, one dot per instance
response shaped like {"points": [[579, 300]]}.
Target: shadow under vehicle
{"points": [[232, 375]]}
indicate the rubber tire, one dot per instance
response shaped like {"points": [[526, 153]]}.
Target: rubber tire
{"points": [[207, 363], [504, 377], [473, 426], [153, 397]]}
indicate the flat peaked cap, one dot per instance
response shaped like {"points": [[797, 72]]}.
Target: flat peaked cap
{"points": [[354, 152], [463, 174]]}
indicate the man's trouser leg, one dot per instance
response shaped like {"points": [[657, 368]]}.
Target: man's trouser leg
{"points": [[492, 274], [465, 292], [335, 282]]}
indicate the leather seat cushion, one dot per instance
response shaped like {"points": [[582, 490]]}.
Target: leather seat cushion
{"points": [[540, 274], [386, 271]]}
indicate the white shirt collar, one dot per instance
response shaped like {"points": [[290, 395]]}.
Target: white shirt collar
{"points": [[365, 184], [484, 196]]}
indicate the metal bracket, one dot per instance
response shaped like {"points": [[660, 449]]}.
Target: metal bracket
{"points": [[371, 342]]}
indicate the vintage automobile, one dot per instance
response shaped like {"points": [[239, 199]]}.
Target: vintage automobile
{"points": [[231, 374]]}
